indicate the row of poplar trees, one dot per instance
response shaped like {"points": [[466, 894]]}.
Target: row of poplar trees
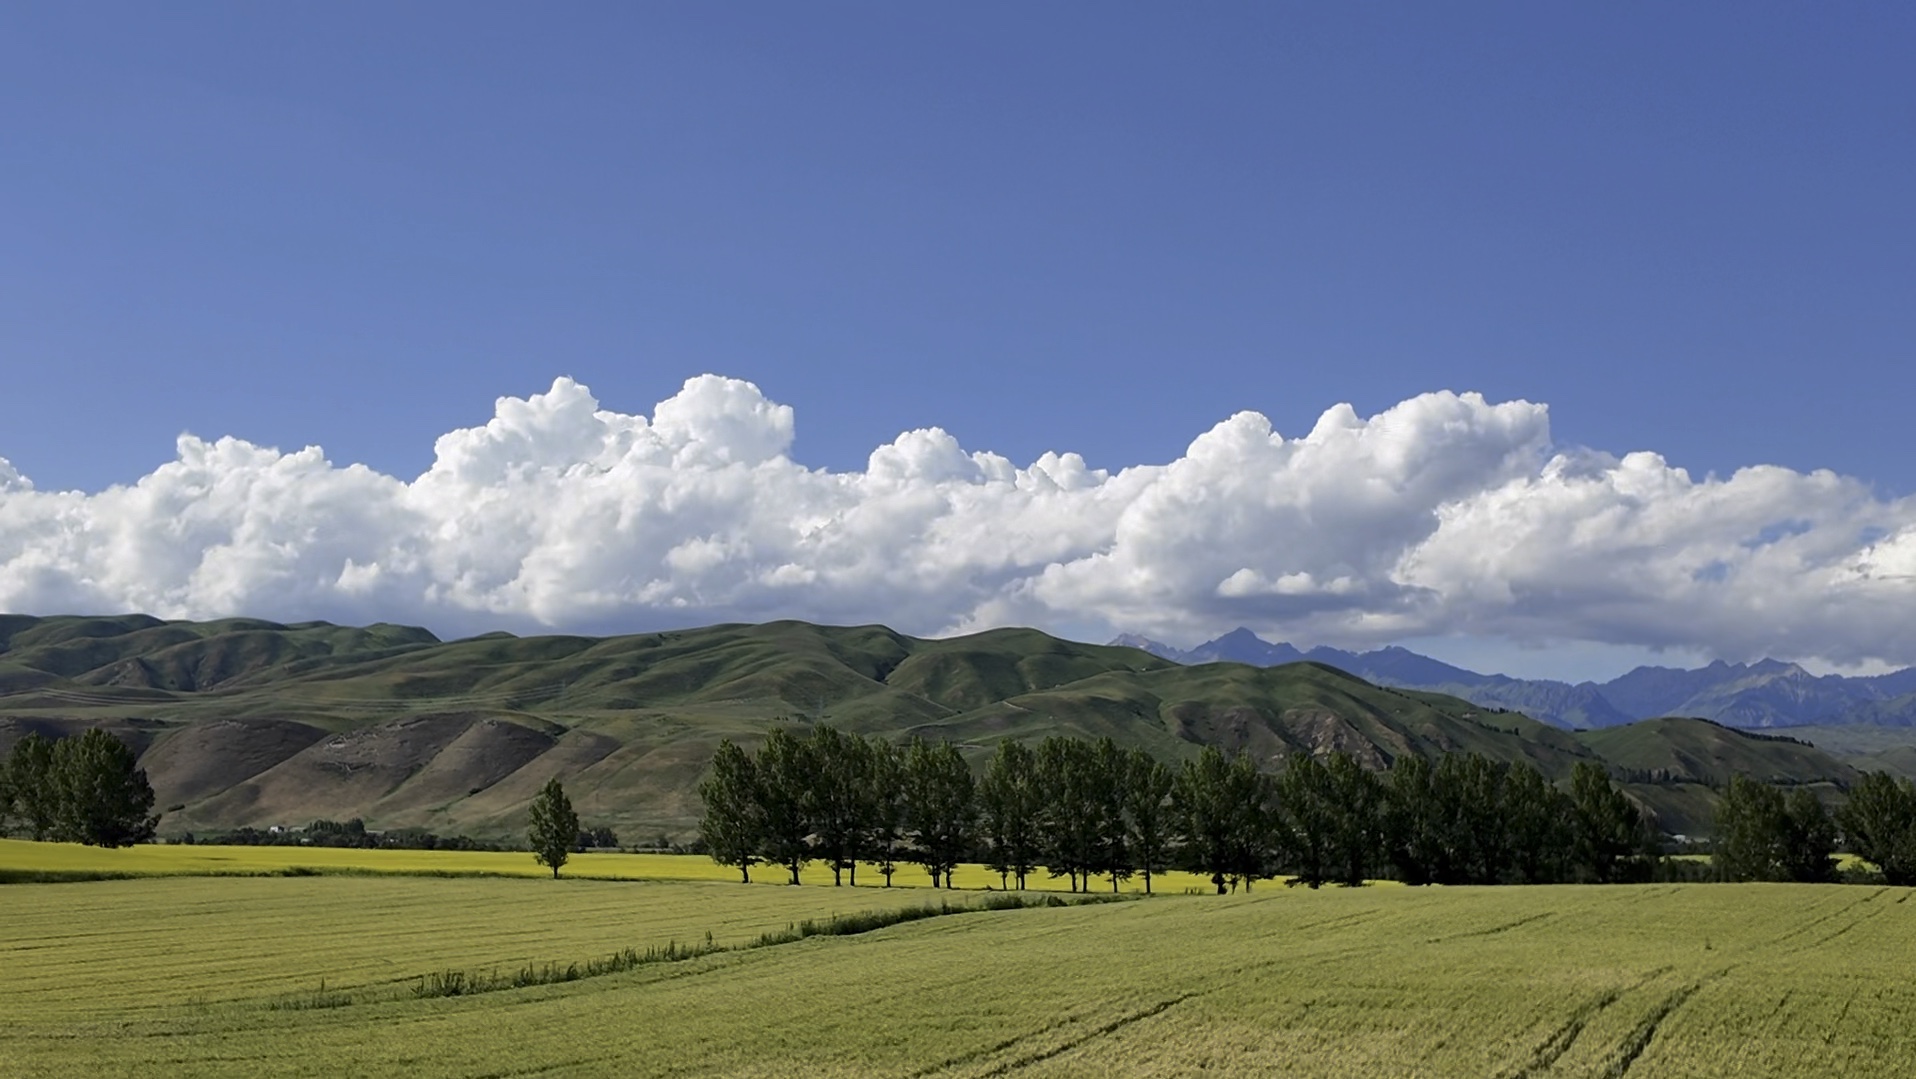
{"points": [[1766, 833], [1091, 811], [84, 789]]}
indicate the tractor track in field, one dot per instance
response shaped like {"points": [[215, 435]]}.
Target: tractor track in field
{"points": [[1117, 1024], [1829, 1036], [548, 1069], [1640, 1038], [1340, 922], [1808, 927], [1854, 922], [1561, 1039], [1493, 930], [982, 1053], [1101, 1031], [1632, 1047]]}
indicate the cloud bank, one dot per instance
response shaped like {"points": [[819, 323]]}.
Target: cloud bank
{"points": [[1445, 514]]}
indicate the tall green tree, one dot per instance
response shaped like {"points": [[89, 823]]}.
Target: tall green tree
{"points": [[885, 835], [1475, 795], [838, 799], [1751, 832], [1072, 824], [1357, 834], [553, 826], [1809, 840], [1879, 824], [1414, 821], [1221, 806], [1763, 834], [1540, 826], [940, 807], [733, 827], [1147, 793], [1108, 775], [36, 796], [1614, 841], [1009, 803], [1308, 815], [102, 797], [787, 769]]}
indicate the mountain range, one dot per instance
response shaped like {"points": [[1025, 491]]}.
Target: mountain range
{"points": [[242, 722], [1768, 693]]}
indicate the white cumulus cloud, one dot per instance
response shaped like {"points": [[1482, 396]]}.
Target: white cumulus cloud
{"points": [[1445, 514]]}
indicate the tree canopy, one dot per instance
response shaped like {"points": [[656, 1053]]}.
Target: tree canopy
{"points": [[553, 828], [85, 789]]}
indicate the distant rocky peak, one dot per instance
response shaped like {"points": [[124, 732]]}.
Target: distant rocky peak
{"points": [[1143, 643]]}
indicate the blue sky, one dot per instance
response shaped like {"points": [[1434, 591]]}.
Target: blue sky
{"points": [[1092, 229]]}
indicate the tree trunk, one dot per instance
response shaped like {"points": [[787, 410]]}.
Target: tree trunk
{"points": [[745, 874], [838, 873], [854, 868], [1147, 880], [794, 868]]}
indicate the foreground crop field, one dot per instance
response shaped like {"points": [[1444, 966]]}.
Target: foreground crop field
{"points": [[195, 976]]}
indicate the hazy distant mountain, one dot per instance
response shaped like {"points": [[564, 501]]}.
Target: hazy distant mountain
{"points": [[1242, 646], [1769, 693], [1156, 648]]}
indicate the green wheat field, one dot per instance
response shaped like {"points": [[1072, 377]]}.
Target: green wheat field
{"points": [[344, 973]]}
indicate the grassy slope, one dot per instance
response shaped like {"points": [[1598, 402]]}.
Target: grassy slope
{"points": [[248, 722], [1865, 747], [1695, 756], [174, 977]]}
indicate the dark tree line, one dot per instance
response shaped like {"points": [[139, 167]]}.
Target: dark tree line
{"points": [[1879, 825], [87, 789], [841, 799], [1764, 833], [1092, 812]]}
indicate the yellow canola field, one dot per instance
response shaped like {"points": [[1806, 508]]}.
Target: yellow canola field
{"points": [[19, 855]]}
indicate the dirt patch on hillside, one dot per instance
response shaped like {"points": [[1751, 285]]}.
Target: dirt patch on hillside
{"points": [[486, 752], [206, 758], [570, 755], [337, 777], [1325, 732]]}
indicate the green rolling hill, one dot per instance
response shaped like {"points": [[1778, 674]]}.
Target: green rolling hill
{"points": [[244, 722]]}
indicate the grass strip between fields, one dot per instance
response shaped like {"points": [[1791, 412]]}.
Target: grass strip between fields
{"points": [[459, 983]]}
